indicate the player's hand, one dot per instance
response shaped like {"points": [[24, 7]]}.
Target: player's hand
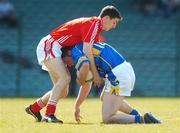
{"points": [[98, 80], [77, 114]]}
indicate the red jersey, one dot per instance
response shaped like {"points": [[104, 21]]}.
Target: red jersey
{"points": [[85, 29]]}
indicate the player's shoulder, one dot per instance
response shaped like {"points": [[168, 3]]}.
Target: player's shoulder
{"points": [[90, 19], [95, 19], [83, 20]]}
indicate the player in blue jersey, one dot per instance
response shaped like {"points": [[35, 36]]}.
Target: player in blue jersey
{"points": [[119, 82]]}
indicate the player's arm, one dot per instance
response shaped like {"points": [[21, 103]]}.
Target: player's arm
{"points": [[83, 93], [87, 49], [90, 34], [82, 72], [81, 63]]}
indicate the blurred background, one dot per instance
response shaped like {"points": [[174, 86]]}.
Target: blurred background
{"points": [[148, 37]]}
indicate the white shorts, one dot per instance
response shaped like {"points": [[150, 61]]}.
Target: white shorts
{"points": [[126, 77], [46, 49]]}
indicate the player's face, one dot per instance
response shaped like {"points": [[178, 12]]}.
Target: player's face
{"points": [[110, 23]]}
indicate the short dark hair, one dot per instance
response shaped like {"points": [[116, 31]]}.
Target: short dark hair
{"points": [[65, 51], [110, 11]]}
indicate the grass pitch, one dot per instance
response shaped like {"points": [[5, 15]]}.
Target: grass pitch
{"points": [[13, 118]]}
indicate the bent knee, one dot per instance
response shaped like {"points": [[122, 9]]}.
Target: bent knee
{"points": [[65, 79], [106, 119]]}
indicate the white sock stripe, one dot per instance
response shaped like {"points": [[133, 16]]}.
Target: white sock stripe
{"points": [[41, 103], [52, 102]]}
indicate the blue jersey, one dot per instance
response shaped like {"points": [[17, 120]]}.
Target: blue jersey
{"points": [[106, 58]]}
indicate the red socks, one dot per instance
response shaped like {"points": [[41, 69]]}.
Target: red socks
{"points": [[38, 105], [51, 108]]}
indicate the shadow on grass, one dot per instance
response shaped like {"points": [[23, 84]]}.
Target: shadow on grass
{"points": [[82, 123]]}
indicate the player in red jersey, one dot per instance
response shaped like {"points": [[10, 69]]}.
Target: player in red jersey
{"points": [[86, 30]]}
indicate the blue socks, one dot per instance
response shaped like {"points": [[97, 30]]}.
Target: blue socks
{"points": [[134, 112], [137, 119], [137, 115]]}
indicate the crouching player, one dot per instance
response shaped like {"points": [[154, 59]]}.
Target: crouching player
{"points": [[119, 82]]}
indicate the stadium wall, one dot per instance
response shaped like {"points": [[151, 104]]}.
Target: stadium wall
{"points": [[150, 43]]}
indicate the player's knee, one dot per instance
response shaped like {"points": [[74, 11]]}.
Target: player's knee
{"points": [[64, 80], [106, 119]]}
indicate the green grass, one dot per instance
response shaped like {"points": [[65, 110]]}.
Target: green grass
{"points": [[13, 118]]}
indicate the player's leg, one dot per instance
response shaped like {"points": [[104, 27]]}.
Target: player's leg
{"points": [[126, 88], [125, 107], [56, 68], [128, 109], [54, 79], [46, 96], [116, 93], [49, 54], [110, 106], [34, 109]]}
